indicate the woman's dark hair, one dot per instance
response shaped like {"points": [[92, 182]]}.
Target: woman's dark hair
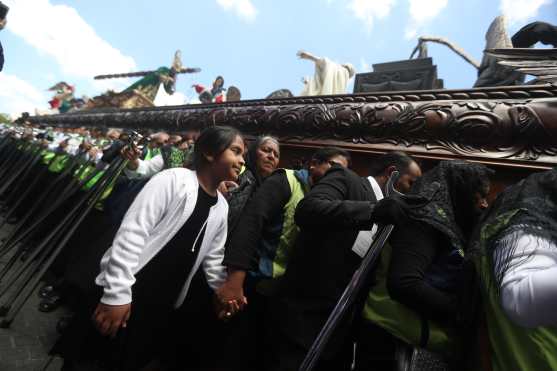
{"points": [[398, 159], [466, 180], [212, 142], [326, 153]]}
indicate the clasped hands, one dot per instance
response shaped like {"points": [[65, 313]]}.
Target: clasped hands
{"points": [[229, 300]]}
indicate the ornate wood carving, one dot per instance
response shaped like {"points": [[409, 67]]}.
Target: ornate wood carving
{"points": [[505, 125]]}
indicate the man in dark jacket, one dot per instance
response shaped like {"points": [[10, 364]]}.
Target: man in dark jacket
{"points": [[258, 251], [334, 219], [3, 13]]}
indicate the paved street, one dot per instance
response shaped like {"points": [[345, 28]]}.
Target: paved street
{"points": [[25, 345]]}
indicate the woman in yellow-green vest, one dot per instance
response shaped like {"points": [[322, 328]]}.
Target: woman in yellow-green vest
{"points": [[516, 256], [415, 299], [157, 141]]}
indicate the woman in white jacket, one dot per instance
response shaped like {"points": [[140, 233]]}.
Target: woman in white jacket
{"points": [[176, 224]]}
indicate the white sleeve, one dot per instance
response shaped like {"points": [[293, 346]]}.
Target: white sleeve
{"points": [[146, 169], [72, 150], [215, 272], [528, 288], [144, 214]]}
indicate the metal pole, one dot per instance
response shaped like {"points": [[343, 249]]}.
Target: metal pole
{"points": [[14, 306], [92, 193], [36, 179], [9, 242], [23, 170], [44, 216]]}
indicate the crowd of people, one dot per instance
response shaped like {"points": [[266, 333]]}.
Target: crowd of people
{"points": [[204, 254]]}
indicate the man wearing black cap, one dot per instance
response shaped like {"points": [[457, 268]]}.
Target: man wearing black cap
{"points": [[3, 13]]}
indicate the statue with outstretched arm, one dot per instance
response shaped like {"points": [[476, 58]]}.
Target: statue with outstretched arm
{"points": [[329, 78]]}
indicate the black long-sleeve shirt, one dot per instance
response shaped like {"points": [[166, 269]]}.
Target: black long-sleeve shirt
{"points": [[330, 218], [327, 207], [415, 247], [322, 261], [267, 203]]}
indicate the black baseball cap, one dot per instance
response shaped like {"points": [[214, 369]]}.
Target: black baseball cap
{"points": [[3, 10]]}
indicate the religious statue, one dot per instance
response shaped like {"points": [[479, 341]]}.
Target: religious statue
{"points": [[142, 93], [329, 78], [214, 95], [505, 59], [61, 101], [490, 73], [522, 58], [233, 94], [280, 94]]}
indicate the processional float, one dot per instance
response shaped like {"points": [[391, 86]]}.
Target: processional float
{"points": [[399, 106]]}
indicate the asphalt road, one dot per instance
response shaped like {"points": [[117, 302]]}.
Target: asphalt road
{"points": [[25, 345]]}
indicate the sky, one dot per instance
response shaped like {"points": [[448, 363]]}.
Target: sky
{"points": [[251, 43]]}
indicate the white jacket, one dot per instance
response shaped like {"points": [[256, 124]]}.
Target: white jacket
{"points": [[158, 212]]}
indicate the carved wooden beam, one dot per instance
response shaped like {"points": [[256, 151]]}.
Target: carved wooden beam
{"points": [[515, 126]]}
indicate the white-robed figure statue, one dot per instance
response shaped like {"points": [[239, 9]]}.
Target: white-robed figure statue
{"points": [[329, 78]]}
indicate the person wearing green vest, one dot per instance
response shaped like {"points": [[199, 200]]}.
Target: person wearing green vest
{"points": [[153, 148], [61, 157], [258, 250], [88, 157], [415, 299], [156, 152], [61, 150], [174, 140], [154, 158], [516, 258]]}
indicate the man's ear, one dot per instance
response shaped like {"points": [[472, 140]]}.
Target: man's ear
{"points": [[390, 170]]}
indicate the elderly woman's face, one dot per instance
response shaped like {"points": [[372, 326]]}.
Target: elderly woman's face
{"points": [[267, 158]]}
